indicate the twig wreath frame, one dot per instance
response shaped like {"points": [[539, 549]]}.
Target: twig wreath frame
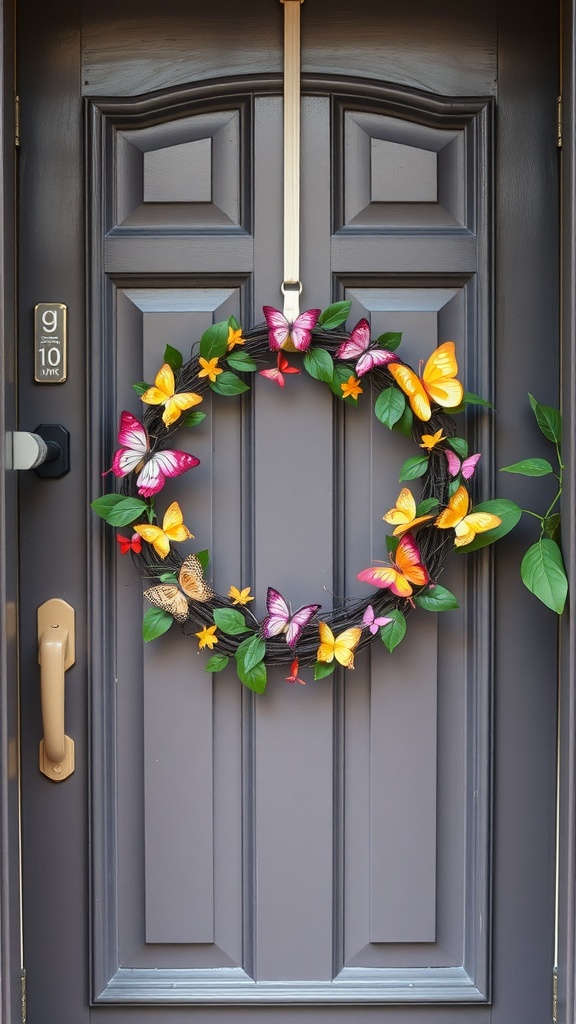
{"points": [[350, 364]]}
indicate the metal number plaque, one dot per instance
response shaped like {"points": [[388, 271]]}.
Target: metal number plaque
{"points": [[50, 339]]}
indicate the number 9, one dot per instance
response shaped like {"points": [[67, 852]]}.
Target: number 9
{"points": [[50, 320]]}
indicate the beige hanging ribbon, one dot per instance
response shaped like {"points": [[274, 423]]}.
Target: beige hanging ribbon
{"points": [[291, 286]]}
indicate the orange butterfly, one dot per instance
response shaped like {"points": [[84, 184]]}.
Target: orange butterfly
{"points": [[466, 524], [437, 384], [403, 515], [406, 569]]}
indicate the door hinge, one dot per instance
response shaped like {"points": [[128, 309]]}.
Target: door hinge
{"points": [[17, 121], [555, 995], [23, 994], [559, 122]]}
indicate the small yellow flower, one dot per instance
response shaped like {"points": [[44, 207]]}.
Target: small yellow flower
{"points": [[351, 388], [430, 440], [210, 368], [206, 637], [235, 338], [240, 596]]}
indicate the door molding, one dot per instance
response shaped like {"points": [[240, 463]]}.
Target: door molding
{"points": [[121, 132]]}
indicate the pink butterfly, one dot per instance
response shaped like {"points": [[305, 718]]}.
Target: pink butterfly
{"points": [[370, 621], [465, 467], [135, 456], [295, 337], [358, 345], [277, 373], [281, 620]]}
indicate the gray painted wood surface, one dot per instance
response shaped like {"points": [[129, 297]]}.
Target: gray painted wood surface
{"points": [[327, 850]]}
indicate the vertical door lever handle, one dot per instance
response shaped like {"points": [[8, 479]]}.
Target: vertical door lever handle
{"points": [[56, 653]]}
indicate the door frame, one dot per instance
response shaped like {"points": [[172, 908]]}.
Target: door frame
{"points": [[11, 987], [10, 957], [566, 826]]}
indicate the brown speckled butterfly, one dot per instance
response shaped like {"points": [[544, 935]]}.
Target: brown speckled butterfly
{"points": [[173, 600]]}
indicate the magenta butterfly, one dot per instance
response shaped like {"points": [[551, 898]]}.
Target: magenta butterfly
{"points": [[465, 467], [277, 373], [373, 622], [295, 337], [357, 346], [280, 618], [135, 456]]}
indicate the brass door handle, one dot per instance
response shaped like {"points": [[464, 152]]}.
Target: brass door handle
{"points": [[56, 653]]}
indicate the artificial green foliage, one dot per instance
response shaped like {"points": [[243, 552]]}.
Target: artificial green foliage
{"points": [[542, 569]]}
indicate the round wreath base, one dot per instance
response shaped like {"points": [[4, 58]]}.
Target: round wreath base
{"points": [[434, 545]]}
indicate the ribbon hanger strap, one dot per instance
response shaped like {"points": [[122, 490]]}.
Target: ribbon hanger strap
{"points": [[291, 286]]}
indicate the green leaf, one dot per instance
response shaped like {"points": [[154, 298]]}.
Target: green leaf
{"points": [[429, 505], [453, 486], [168, 577], [216, 663], [214, 341], [239, 360], [319, 364], [334, 315], [173, 357], [460, 446], [323, 669], [436, 599], [230, 621], [141, 387], [471, 399], [548, 419], [414, 467], [394, 632], [551, 526], [104, 505], [228, 384], [255, 679], [127, 511], [529, 467], [389, 406], [389, 340], [233, 323], [204, 558], [543, 573], [391, 544], [155, 622], [250, 652], [192, 419], [509, 513], [404, 424]]}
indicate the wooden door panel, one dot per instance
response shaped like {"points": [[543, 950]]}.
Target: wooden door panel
{"points": [[291, 844]]}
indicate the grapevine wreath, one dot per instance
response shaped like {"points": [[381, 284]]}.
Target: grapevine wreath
{"points": [[425, 529]]}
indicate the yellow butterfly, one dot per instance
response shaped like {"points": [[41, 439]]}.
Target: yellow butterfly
{"points": [[162, 393], [437, 384], [466, 524], [172, 600], [403, 515], [340, 647], [172, 529]]}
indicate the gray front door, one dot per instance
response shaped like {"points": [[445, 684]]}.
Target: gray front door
{"points": [[376, 846]]}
